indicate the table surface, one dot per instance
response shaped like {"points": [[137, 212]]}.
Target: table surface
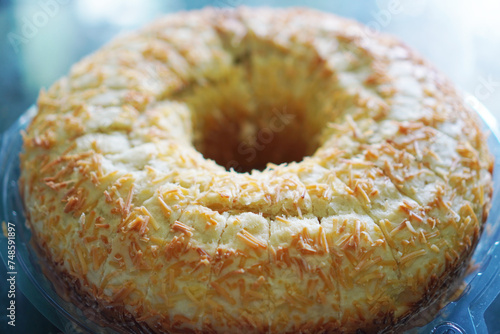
{"points": [[40, 40]]}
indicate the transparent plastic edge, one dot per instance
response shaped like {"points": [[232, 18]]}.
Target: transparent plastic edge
{"points": [[466, 314], [28, 284]]}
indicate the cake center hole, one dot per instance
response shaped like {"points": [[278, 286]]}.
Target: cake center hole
{"points": [[240, 140], [262, 110]]}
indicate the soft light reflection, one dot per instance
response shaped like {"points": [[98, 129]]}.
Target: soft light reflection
{"points": [[483, 17], [408, 7], [115, 12]]}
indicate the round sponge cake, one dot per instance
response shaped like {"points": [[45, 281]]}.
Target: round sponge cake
{"points": [[255, 170]]}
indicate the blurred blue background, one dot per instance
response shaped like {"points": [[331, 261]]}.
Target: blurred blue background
{"points": [[41, 39]]}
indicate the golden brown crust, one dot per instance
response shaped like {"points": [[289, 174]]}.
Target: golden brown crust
{"points": [[370, 227]]}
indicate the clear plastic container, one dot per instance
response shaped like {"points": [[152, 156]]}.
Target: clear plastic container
{"points": [[476, 311], [30, 278]]}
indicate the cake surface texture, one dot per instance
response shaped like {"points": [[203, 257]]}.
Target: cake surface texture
{"points": [[255, 170]]}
